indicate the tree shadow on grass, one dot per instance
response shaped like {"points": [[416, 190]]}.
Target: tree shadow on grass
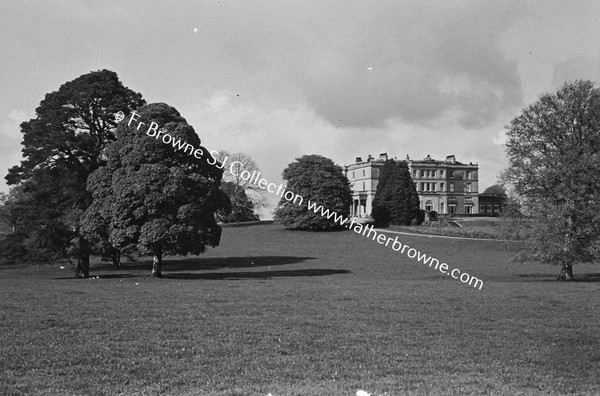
{"points": [[212, 263], [256, 274], [199, 264], [546, 277]]}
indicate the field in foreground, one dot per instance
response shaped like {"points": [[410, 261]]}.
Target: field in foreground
{"points": [[293, 313]]}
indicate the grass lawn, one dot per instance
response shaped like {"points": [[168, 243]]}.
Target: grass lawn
{"points": [[468, 227], [296, 313]]}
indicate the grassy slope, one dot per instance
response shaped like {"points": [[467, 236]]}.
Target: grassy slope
{"points": [[302, 314], [472, 227]]}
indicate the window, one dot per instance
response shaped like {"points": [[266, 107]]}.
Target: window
{"points": [[415, 173], [422, 186], [469, 187], [363, 172], [416, 186], [442, 208], [468, 209], [469, 175], [441, 173], [433, 187], [353, 175], [451, 187], [429, 206], [364, 185], [452, 208], [441, 186], [450, 174]]}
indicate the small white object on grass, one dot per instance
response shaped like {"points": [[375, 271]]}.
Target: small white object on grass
{"points": [[362, 393], [61, 267]]}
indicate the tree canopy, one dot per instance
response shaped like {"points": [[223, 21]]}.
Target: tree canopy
{"points": [[396, 199], [74, 124], [320, 180], [495, 189], [62, 145], [246, 197], [553, 150], [151, 199], [242, 208]]}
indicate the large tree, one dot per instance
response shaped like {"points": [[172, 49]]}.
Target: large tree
{"points": [[65, 141], [242, 207], [14, 208], [553, 150], [396, 199], [152, 199], [319, 180], [243, 193]]}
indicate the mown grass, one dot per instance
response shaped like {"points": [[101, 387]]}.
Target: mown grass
{"points": [[295, 313], [470, 227]]}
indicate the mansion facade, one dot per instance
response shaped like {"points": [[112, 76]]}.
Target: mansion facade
{"points": [[444, 186]]}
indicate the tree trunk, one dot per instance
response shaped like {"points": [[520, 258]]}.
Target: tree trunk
{"points": [[83, 261], [566, 273], [157, 265], [116, 259]]}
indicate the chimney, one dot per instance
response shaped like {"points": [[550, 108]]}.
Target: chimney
{"points": [[383, 156], [358, 159], [451, 158], [369, 158]]}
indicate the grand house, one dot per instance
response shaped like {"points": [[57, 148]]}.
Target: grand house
{"points": [[445, 186]]}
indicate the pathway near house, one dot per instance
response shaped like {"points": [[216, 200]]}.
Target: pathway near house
{"points": [[441, 236]]}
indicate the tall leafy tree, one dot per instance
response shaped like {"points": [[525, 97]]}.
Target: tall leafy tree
{"points": [[14, 208], [320, 180], [553, 149], [66, 141], [242, 207], [233, 165], [396, 199], [151, 198]]}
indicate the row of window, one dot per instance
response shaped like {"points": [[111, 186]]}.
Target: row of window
{"points": [[427, 174], [427, 187], [431, 187], [488, 208], [434, 174], [354, 174], [452, 208]]}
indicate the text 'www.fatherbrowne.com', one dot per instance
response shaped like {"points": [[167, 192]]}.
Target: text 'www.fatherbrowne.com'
{"points": [[368, 231], [396, 245], [236, 168]]}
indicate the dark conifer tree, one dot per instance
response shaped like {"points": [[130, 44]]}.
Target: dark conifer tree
{"points": [[65, 142], [396, 199]]}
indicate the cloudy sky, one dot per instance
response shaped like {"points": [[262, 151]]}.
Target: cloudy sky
{"points": [[279, 79]]}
